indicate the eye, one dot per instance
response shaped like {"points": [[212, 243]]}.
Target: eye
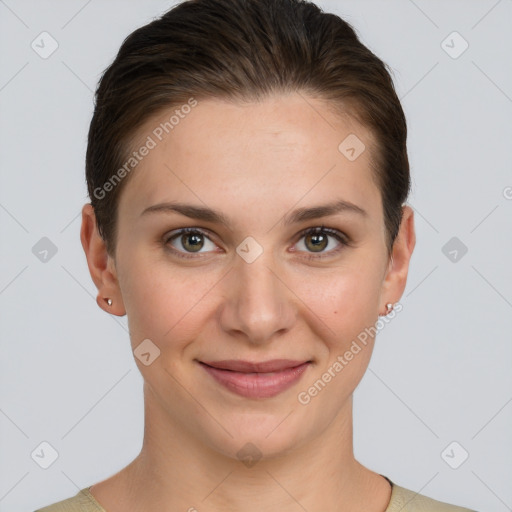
{"points": [[189, 240], [317, 239], [186, 242]]}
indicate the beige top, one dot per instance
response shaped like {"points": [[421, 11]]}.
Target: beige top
{"points": [[402, 500]]}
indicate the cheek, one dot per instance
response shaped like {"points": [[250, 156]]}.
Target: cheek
{"points": [[348, 304], [162, 301], [346, 301], [165, 302]]}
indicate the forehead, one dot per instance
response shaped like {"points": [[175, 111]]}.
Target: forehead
{"points": [[282, 150]]}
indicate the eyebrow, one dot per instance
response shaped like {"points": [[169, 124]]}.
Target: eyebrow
{"points": [[299, 215]]}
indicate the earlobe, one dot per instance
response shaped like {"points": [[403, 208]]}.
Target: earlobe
{"points": [[398, 268], [101, 266]]}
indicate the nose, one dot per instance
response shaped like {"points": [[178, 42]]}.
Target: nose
{"points": [[258, 305]]}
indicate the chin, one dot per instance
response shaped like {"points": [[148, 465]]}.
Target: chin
{"points": [[260, 436]]}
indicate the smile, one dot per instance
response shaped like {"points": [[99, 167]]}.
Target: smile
{"points": [[256, 380]]}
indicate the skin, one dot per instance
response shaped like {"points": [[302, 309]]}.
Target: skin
{"points": [[255, 163]]}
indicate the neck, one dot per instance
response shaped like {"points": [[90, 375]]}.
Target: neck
{"points": [[177, 471]]}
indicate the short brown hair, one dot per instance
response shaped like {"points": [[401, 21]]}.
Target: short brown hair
{"points": [[243, 50]]}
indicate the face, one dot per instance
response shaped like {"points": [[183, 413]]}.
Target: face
{"points": [[233, 245]]}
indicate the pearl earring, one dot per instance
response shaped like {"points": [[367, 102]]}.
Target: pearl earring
{"points": [[109, 301], [389, 308]]}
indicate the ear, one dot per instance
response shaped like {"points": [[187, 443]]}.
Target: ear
{"points": [[396, 276], [101, 264]]}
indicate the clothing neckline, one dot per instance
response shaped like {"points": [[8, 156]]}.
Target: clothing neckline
{"points": [[87, 492], [392, 496]]}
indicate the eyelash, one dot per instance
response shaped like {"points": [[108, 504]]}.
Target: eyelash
{"points": [[340, 237]]}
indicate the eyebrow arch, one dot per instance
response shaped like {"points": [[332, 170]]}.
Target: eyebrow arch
{"points": [[188, 210], [314, 212], [298, 215]]}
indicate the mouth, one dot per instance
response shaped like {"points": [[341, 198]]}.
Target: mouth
{"points": [[256, 379]]}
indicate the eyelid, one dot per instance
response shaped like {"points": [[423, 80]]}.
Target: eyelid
{"points": [[182, 231], [324, 229], [341, 237], [343, 240]]}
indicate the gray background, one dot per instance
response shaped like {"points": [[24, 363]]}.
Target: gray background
{"points": [[440, 371]]}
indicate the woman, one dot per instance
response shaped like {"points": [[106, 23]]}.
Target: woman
{"points": [[247, 169]]}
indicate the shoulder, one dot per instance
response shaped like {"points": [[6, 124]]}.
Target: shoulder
{"points": [[83, 501], [405, 500]]}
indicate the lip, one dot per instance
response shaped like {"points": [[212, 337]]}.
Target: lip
{"points": [[256, 379]]}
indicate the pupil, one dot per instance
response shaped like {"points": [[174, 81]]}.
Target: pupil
{"points": [[197, 242], [318, 241]]}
